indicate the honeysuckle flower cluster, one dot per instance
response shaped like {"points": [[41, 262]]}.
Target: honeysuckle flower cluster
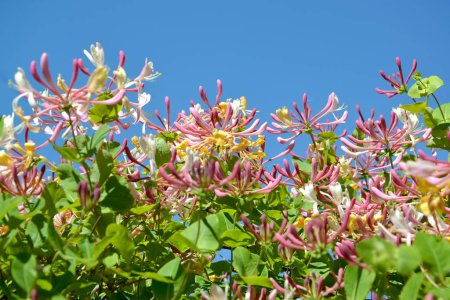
{"points": [[194, 205]]}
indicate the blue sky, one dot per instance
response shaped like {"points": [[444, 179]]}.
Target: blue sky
{"points": [[269, 51]]}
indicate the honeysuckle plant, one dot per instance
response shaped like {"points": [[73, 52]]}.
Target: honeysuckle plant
{"points": [[194, 207]]}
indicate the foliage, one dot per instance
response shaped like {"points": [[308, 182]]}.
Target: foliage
{"points": [[196, 208]]}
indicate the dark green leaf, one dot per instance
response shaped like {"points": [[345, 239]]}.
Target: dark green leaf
{"points": [[98, 136], [104, 164], [162, 154], [69, 179], [117, 195], [52, 193], [154, 276], [119, 237], [23, 271]]}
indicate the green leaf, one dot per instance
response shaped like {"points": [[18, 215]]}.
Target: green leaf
{"points": [[2, 124], [358, 282], [408, 259], [44, 284], [8, 205], [258, 281], [111, 260], [245, 262], [100, 113], [235, 238], [412, 287], [162, 154], [119, 237], [98, 136], [174, 271], [54, 238], [303, 165], [52, 193], [378, 253], [204, 235], [154, 276], [437, 115], [23, 271], [104, 164], [328, 137], [434, 252], [417, 108], [69, 179], [69, 153], [117, 195], [425, 87]]}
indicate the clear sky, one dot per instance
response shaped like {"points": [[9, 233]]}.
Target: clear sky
{"points": [[269, 51]]}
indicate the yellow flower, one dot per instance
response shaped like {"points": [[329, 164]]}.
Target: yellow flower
{"points": [[283, 115], [300, 223], [221, 138], [4, 229], [5, 159], [432, 200]]}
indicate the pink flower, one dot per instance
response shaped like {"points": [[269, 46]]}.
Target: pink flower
{"points": [[397, 80]]}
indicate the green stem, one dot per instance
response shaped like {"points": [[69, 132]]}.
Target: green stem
{"points": [[439, 106]]}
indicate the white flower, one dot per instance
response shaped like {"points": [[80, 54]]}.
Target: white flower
{"points": [[147, 72], [143, 99], [308, 192], [409, 119], [22, 84], [7, 136], [148, 146], [336, 191], [216, 293], [190, 159], [97, 55]]}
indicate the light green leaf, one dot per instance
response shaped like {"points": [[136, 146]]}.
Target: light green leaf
{"points": [[44, 284], [303, 165], [358, 282], [408, 259], [425, 87], [434, 252], [245, 262], [411, 289], [204, 235], [235, 237], [416, 108], [378, 253], [258, 281]]}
